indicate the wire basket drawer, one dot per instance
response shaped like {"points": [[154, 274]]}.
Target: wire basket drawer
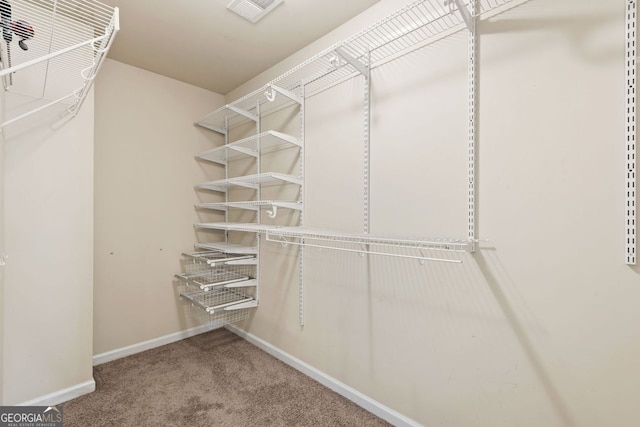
{"points": [[218, 306]]}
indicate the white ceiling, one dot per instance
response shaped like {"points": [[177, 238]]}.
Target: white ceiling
{"points": [[203, 43]]}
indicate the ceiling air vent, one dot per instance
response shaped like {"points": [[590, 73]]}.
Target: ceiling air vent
{"points": [[253, 10]]}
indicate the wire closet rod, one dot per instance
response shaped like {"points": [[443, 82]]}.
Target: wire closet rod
{"points": [[363, 251]]}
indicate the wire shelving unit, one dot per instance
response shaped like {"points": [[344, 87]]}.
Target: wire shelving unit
{"points": [[227, 248], [67, 42], [418, 24], [236, 226]]}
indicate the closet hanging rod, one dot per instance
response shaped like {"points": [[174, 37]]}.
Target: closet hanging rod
{"points": [[448, 245], [363, 251]]}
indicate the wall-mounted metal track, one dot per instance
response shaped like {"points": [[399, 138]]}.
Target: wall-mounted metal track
{"points": [[301, 114], [367, 144], [631, 165], [473, 47]]}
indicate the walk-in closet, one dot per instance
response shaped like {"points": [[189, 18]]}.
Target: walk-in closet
{"points": [[286, 212]]}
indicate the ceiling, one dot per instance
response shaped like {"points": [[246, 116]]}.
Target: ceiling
{"points": [[203, 43]]}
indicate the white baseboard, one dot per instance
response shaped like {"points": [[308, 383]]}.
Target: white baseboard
{"points": [[119, 353], [344, 390], [63, 395]]}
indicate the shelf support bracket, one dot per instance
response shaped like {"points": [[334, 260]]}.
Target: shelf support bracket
{"points": [[212, 127], [273, 89], [467, 16], [244, 113], [362, 69]]}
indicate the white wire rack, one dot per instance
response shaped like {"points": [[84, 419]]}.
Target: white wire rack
{"points": [[218, 287], [218, 306], [254, 205], [227, 248], [207, 259], [418, 24], [236, 226], [360, 243], [227, 274], [219, 318], [67, 42], [250, 181], [368, 244], [251, 147]]}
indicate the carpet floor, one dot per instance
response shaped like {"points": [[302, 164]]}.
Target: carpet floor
{"points": [[213, 379]]}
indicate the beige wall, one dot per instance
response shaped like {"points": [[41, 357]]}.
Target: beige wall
{"points": [[538, 327], [49, 233], [2, 234], [144, 176]]}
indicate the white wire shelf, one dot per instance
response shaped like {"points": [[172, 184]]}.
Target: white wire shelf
{"points": [[228, 248], [236, 226], [366, 243], [217, 258], [217, 300], [249, 147], [252, 205], [418, 24], [266, 99], [205, 280], [67, 42], [250, 181]]}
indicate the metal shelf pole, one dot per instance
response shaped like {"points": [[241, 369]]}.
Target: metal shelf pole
{"points": [[630, 183]]}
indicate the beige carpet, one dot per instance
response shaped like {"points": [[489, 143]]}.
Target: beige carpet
{"points": [[214, 379]]}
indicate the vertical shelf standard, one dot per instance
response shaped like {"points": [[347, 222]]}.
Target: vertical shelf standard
{"points": [[630, 162]]}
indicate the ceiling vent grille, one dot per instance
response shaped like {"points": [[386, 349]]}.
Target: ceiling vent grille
{"points": [[253, 10]]}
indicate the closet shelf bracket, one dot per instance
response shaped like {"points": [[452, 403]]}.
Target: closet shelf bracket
{"points": [[211, 127], [467, 17], [244, 113], [272, 90], [362, 68]]}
